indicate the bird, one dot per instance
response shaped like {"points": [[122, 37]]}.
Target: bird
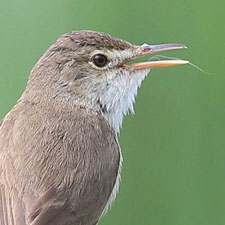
{"points": [[60, 159]]}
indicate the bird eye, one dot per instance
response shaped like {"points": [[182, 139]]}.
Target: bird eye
{"points": [[100, 60]]}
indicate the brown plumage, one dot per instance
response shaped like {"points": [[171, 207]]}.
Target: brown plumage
{"points": [[59, 155], [56, 165], [56, 157]]}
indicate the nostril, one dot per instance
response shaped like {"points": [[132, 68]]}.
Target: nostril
{"points": [[146, 47]]}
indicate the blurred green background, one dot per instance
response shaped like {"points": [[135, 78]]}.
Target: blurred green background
{"points": [[174, 147]]}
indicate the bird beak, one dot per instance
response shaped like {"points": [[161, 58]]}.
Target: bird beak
{"points": [[146, 49]]}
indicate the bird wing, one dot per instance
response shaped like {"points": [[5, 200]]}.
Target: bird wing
{"points": [[11, 204], [48, 209], [16, 199], [11, 207], [78, 145]]}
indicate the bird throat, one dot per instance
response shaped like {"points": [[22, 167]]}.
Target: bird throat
{"points": [[118, 98]]}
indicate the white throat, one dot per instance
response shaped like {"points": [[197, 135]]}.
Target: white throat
{"points": [[118, 95]]}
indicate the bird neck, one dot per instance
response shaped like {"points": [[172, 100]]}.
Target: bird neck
{"points": [[113, 97]]}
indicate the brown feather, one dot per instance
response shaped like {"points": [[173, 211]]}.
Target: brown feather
{"points": [[75, 153]]}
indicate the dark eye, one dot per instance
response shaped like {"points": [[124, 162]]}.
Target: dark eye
{"points": [[100, 60]]}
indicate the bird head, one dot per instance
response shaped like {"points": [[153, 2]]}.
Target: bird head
{"points": [[89, 69]]}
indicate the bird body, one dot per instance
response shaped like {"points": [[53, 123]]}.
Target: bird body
{"points": [[75, 168], [60, 159]]}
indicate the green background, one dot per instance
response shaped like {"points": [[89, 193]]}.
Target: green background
{"points": [[174, 147]]}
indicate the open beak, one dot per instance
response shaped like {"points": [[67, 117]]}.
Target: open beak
{"points": [[146, 49]]}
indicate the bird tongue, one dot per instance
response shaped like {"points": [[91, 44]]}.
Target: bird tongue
{"points": [[146, 49]]}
